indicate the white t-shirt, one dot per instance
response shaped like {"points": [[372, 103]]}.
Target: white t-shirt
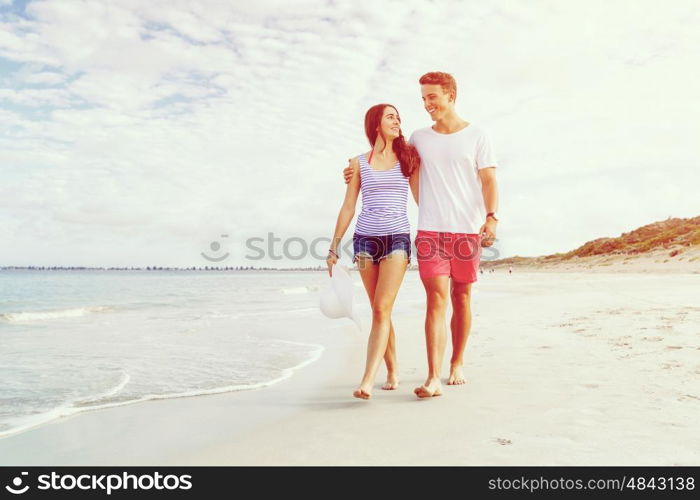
{"points": [[449, 195]]}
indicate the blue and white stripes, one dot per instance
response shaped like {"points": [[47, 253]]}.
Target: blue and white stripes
{"points": [[384, 198]]}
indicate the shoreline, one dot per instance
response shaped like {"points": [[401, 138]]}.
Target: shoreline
{"points": [[63, 412], [69, 440]]}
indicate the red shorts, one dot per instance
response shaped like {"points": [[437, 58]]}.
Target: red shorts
{"points": [[448, 254]]}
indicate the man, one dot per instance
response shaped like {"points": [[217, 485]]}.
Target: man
{"points": [[457, 201]]}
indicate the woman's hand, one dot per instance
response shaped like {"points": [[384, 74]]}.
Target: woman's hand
{"points": [[331, 260]]}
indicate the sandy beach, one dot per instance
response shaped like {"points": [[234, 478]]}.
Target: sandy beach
{"points": [[563, 368]]}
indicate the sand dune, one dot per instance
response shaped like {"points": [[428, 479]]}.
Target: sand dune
{"points": [[669, 246]]}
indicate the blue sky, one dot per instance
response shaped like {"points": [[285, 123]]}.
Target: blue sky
{"points": [[137, 133]]}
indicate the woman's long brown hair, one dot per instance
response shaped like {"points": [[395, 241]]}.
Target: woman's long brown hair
{"points": [[406, 153]]}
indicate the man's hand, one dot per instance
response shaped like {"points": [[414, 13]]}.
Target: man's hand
{"points": [[347, 173], [488, 232]]}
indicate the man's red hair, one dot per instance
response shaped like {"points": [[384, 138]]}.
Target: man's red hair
{"points": [[445, 80]]}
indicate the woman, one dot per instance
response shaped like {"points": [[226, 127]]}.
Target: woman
{"points": [[382, 241]]}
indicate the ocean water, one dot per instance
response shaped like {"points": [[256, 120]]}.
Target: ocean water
{"points": [[73, 341]]}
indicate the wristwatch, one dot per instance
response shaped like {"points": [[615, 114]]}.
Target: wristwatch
{"points": [[492, 215]]}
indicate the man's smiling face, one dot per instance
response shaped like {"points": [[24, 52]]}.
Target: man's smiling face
{"points": [[435, 100]]}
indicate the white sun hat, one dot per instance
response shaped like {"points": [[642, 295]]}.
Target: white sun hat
{"points": [[336, 299]]}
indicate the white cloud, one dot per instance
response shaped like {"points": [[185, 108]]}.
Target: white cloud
{"points": [[45, 78]]}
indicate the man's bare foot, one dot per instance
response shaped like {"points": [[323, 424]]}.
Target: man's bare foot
{"points": [[456, 376], [431, 388], [392, 382]]}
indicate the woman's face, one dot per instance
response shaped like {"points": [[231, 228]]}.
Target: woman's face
{"points": [[391, 123]]}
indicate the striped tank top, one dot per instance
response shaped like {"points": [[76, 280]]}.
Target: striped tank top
{"points": [[384, 198]]}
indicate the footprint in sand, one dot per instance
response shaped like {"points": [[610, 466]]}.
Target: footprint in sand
{"points": [[622, 343], [503, 442], [673, 364]]}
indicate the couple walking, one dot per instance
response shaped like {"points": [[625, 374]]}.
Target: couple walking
{"points": [[450, 170]]}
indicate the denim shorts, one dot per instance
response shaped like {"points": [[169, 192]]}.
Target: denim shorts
{"points": [[379, 247]]}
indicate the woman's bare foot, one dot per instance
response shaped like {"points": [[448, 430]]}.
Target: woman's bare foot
{"points": [[431, 388], [456, 375], [392, 383], [363, 392]]}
